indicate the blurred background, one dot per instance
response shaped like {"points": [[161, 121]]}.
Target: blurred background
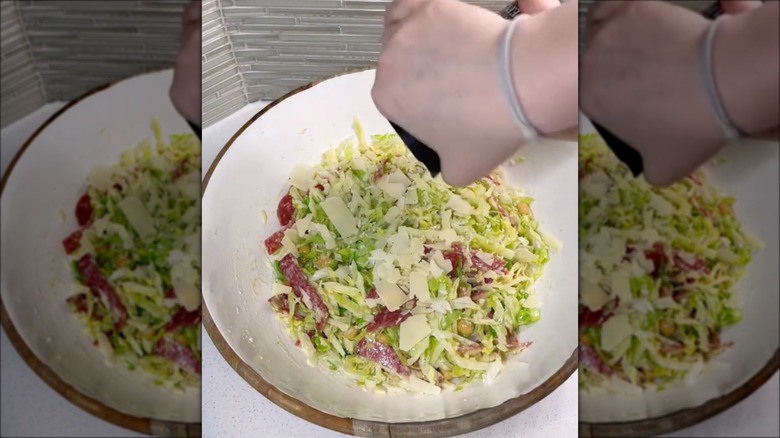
{"points": [[59, 50], [53, 52]]}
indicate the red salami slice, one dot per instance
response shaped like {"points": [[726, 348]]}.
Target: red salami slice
{"points": [[372, 294], [274, 242], [455, 256], [297, 280], [386, 318], [72, 242], [285, 211], [381, 354], [658, 257], [84, 210], [101, 288], [589, 358], [496, 264], [178, 354], [78, 302], [683, 265], [182, 319], [590, 318]]}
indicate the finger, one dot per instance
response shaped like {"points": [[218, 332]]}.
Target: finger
{"points": [[601, 11], [192, 13], [598, 15], [398, 10], [738, 6], [536, 6]]}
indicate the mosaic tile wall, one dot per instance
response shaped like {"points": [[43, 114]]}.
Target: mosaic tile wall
{"points": [[58, 50]]}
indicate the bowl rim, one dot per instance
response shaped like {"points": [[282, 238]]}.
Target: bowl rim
{"points": [[427, 429], [148, 426], [684, 417]]}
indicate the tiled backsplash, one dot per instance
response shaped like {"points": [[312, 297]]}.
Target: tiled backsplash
{"points": [[20, 85], [270, 47], [63, 49]]}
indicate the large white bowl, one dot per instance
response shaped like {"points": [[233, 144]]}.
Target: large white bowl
{"points": [[749, 172], [251, 174], [48, 176]]}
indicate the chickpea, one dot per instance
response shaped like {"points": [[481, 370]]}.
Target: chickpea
{"points": [[725, 209], [524, 209], [351, 333], [180, 339], [323, 261], [121, 262], [465, 328], [383, 339], [585, 340], [463, 291], [667, 327], [305, 249]]}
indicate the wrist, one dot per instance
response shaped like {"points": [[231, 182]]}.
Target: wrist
{"points": [[750, 102], [544, 66]]}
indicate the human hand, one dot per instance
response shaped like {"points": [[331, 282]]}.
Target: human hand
{"points": [[185, 89], [641, 79], [438, 78]]}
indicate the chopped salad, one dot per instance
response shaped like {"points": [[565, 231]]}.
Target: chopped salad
{"points": [[136, 259], [398, 279], [657, 272]]}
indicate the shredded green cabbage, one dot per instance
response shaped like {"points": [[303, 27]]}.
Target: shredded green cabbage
{"points": [[409, 228], [144, 236], [657, 272]]}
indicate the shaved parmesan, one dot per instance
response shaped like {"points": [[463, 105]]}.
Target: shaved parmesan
{"points": [[446, 217], [438, 259], [323, 231], [418, 285], [398, 177], [412, 331], [392, 213], [459, 205], [553, 242], [137, 215], [340, 216], [614, 331], [620, 285], [303, 225], [279, 289], [100, 177], [593, 296], [187, 293], [393, 190], [423, 387], [301, 177], [391, 295]]}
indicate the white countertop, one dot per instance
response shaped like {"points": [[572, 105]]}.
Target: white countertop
{"points": [[232, 408]]}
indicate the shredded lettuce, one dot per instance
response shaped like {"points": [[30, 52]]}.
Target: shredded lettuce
{"points": [[370, 216], [144, 236], [657, 272]]}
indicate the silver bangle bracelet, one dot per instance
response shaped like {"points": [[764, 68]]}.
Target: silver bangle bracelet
{"points": [[731, 132], [505, 71]]}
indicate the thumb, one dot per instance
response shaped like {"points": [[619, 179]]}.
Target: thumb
{"points": [[532, 7], [738, 6]]}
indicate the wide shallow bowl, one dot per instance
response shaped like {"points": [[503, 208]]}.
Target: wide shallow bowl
{"points": [[250, 175], [749, 172], [44, 181]]}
